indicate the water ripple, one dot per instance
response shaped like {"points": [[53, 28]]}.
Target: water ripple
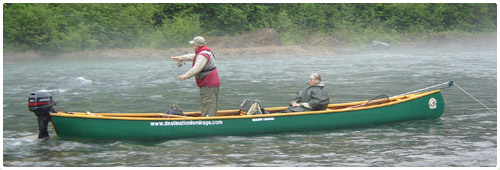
{"points": [[465, 136]]}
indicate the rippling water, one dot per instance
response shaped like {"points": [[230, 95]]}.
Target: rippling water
{"points": [[464, 136]]}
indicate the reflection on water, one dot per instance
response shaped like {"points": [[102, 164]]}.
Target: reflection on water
{"points": [[464, 136]]}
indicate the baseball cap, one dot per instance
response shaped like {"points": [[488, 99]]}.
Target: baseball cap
{"points": [[200, 41]]}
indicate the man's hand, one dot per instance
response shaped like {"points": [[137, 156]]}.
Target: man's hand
{"points": [[175, 58], [295, 104], [181, 78]]}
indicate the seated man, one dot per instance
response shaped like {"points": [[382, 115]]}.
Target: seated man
{"points": [[312, 98]]}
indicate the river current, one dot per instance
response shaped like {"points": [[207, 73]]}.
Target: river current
{"points": [[465, 136]]}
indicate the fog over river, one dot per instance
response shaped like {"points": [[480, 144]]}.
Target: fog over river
{"points": [[464, 136]]}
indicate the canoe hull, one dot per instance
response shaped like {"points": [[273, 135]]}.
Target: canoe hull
{"points": [[428, 106]]}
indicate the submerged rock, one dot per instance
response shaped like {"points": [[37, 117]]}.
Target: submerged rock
{"points": [[379, 45]]}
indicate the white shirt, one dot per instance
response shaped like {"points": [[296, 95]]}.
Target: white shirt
{"points": [[200, 63]]}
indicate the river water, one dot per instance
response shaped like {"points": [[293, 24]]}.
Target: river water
{"points": [[466, 135]]}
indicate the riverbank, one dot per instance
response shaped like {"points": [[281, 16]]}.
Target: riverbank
{"points": [[266, 43]]}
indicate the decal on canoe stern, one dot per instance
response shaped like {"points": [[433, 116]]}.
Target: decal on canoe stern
{"points": [[432, 103]]}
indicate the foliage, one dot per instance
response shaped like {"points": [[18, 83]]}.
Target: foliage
{"points": [[75, 27]]}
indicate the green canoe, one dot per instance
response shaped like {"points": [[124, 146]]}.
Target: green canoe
{"points": [[415, 106]]}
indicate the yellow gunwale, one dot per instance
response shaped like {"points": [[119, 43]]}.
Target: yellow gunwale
{"points": [[151, 116]]}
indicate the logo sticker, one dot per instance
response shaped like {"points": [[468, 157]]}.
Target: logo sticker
{"points": [[432, 103]]}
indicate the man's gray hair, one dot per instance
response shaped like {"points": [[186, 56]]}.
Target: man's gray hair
{"points": [[317, 77]]}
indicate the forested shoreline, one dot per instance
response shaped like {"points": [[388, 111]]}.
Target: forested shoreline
{"points": [[62, 28]]}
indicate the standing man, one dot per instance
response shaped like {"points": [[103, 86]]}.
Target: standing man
{"points": [[205, 72]]}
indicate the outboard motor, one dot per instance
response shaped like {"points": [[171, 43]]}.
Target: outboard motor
{"points": [[41, 104]]}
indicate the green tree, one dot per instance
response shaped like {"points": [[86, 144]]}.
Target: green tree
{"points": [[55, 28]]}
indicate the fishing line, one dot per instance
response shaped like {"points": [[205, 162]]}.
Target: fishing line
{"points": [[474, 98], [179, 72], [178, 97]]}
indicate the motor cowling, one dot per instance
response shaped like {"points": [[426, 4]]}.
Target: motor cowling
{"points": [[41, 103]]}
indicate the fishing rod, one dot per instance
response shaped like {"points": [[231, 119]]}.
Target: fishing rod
{"points": [[381, 98], [450, 83]]}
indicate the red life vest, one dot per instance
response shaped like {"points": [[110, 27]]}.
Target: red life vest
{"points": [[212, 79]]}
